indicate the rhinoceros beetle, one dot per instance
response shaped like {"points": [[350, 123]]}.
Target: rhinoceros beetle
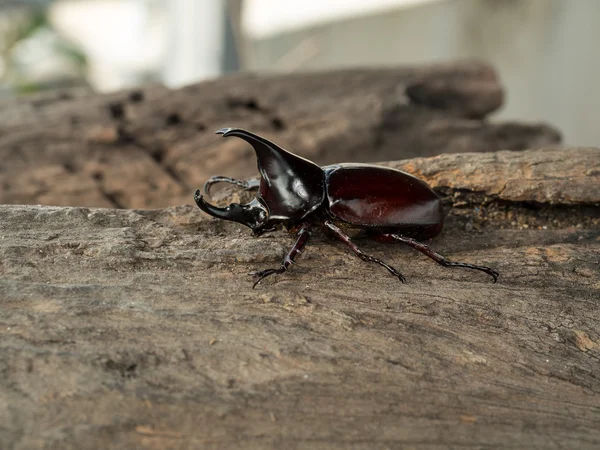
{"points": [[387, 204]]}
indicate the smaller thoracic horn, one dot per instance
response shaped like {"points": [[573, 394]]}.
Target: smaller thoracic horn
{"points": [[291, 186], [253, 214]]}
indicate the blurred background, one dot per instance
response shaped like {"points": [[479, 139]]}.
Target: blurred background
{"points": [[545, 51]]}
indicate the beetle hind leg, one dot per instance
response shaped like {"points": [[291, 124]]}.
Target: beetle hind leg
{"points": [[427, 251], [303, 236], [358, 252]]}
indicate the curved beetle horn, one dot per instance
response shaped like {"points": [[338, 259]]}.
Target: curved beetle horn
{"points": [[252, 215], [290, 186]]}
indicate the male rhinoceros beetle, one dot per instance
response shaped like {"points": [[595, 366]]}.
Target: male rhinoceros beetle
{"points": [[387, 204]]}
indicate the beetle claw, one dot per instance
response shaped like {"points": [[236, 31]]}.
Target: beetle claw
{"points": [[395, 273], [484, 269], [493, 273], [259, 276]]}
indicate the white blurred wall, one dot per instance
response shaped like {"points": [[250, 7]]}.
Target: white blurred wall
{"points": [[196, 40], [122, 39], [128, 42], [546, 51]]}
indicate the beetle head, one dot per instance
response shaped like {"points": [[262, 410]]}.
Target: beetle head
{"points": [[290, 187]]}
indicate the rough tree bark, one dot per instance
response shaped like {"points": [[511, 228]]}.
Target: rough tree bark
{"points": [[138, 328], [152, 147]]}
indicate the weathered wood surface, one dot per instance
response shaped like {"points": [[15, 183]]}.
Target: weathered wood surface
{"points": [[152, 147], [138, 328]]}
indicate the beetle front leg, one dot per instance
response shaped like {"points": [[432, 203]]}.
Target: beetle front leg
{"points": [[303, 236], [427, 251], [247, 185], [346, 240]]}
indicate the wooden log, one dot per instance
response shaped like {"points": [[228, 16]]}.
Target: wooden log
{"points": [[152, 147], [139, 329]]}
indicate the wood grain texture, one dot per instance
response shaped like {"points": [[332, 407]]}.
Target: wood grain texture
{"points": [[138, 328]]}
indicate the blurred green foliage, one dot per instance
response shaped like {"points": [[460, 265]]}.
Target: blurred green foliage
{"points": [[24, 24]]}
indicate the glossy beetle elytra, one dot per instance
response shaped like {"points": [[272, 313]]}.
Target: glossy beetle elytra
{"points": [[387, 204]]}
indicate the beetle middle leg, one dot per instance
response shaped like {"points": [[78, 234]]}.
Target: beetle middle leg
{"points": [[427, 251], [246, 184], [358, 252], [303, 236]]}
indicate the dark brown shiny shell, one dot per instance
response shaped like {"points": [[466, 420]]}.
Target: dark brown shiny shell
{"points": [[381, 198]]}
